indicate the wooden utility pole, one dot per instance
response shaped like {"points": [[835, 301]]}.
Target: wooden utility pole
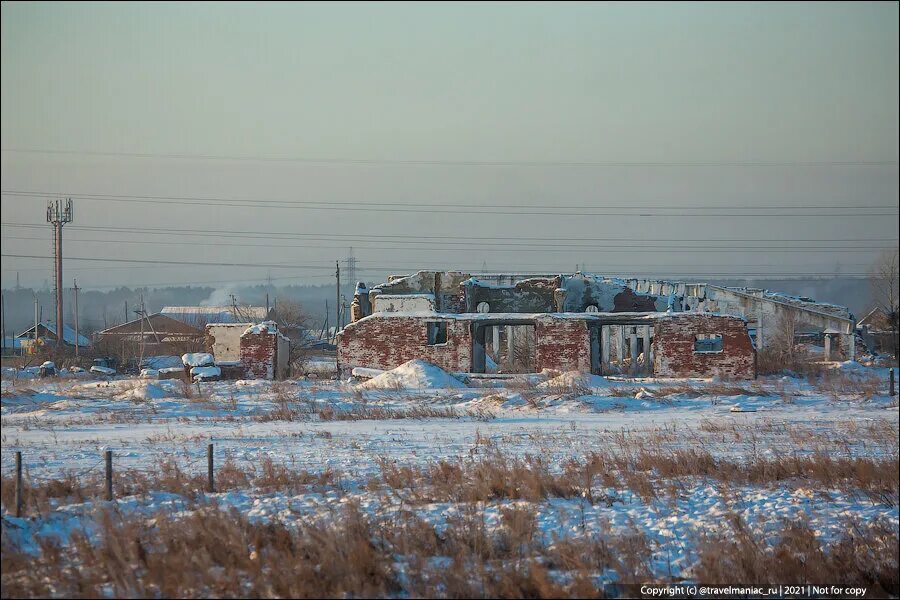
{"points": [[141, 359], [75, 286]]}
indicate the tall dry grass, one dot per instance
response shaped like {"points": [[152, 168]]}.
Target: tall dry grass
{"points": [[208, 552]]}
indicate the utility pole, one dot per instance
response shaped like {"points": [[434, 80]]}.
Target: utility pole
{"points": [[75, 287], [337, 296], [126, 312], [141, 359], [58, 214]]}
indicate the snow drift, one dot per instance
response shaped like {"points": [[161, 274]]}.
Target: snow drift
{"points": [[415, 374]]}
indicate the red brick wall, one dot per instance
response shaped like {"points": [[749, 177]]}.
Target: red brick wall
{"points": [[388, 342], [562, 344], [258, 355], [673, 347]]}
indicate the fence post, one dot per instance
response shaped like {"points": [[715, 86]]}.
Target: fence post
{"points": [[893, 389], [109, 488], [18, 484], [209, 467]]}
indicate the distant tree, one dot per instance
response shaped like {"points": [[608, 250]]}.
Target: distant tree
{"points": [[884, 279]]}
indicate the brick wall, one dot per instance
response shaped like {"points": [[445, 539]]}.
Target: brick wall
{"points": [[258, 355], [673, 347], [562, 344], [388, 342]]}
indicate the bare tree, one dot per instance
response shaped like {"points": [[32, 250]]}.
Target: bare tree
{"points": [[293, 322], [884, 279]]}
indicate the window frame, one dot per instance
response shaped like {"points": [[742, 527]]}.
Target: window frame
{"points": [[437, 326], [709, 338]]}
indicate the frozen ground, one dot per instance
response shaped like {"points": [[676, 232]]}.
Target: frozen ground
{"points": [[63, 426]]}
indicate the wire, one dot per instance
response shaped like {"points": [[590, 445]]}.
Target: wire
{"points": [[215, 201], [461, 163], [174, 262], [381, 269], [398, 238], [617, 247], [520, 211]]}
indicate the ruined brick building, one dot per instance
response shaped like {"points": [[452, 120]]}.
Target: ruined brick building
{"points": [[509, 324]]}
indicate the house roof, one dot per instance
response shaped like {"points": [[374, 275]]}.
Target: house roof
{"points": [[50, 327], [875, 318], [161, 325]]}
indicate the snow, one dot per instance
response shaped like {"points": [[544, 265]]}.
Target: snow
{"points": [[414, 374], [264, 327], [366, 373], [197, 359], [103, 370], [48, 364], [161, 362], [172, 370], [205, 372], [572, 379], [63, 428], [149, 373]]}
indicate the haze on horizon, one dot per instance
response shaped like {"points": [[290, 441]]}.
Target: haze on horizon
{"points": [[664, 139]]}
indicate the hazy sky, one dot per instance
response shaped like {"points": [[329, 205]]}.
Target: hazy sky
{"points": [[647, 114]]}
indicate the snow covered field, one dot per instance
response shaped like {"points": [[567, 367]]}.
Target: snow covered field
{"points": [[671, 461]]}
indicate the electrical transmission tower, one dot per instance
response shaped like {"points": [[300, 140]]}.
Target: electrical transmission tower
{"points": [[58, 214], [351, 268]]}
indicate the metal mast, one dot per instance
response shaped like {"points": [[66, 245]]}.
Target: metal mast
{"points": [[58, 214]]}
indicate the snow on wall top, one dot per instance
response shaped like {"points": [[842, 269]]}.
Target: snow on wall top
{"points": [[266, 327], [197, 359]]}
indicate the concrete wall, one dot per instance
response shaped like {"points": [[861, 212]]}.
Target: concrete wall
{"points": [[527, 296], [445, 286], [406, 303], [388, 342], [577, 292], [223, 341], [673, 347], [282, 357]]}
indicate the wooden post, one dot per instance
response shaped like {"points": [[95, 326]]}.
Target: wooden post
{"points": [[893, 389], [18, 484], [109, 489], [209, 467]]}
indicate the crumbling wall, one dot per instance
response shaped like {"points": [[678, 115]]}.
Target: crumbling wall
{"points": [[674, 354], [562, 344], [443, 285], [264, 351], [578, 292], [258, 352], [403, 303], [387, 342], [223, 340], [526, 296]]}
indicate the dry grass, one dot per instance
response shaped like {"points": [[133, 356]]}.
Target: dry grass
{"points": [[309, 412], [207, 552]]}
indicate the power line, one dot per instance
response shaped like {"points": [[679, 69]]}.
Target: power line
{"points": [[375, 204], [397, 269], [529, 241], [459, 163], [612, 247], [449, 208]]}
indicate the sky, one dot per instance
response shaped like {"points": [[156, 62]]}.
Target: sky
{"points": [[231, 143]]}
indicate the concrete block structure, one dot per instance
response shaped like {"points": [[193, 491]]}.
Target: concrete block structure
{"points": [[526, 323], [265, 352]]}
